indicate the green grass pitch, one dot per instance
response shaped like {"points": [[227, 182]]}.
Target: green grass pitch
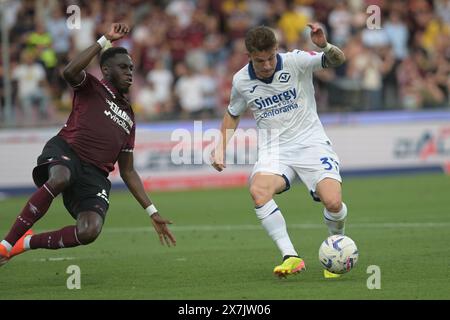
{"points": [[400, 224]]}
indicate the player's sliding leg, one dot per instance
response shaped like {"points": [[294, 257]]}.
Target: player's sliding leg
{"points": [[262, 189], [36, 207], [335, 211], [88, 227]]}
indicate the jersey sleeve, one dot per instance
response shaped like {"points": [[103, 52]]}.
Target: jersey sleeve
{"points": [[309, 60], [129, 144], [85, 83], [237, 105]]}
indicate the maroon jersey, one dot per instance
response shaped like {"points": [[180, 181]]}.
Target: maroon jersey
{"points": [[101, 124]]}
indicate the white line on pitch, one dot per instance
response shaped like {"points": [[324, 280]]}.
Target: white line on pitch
{"points": [[249, 227]]}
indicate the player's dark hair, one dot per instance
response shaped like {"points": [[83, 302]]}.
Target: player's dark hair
{"points": [[110, 53], [260, 38]]}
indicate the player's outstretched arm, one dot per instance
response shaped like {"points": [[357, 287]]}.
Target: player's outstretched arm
{"points": [[334, 56], [134, 184], [229, 125], [73, 72]]}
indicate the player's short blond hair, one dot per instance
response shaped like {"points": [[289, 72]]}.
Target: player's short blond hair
{"points": [[260, 38]]}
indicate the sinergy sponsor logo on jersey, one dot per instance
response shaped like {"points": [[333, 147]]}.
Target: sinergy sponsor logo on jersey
{"points": [[285, 102], [270, 101]]}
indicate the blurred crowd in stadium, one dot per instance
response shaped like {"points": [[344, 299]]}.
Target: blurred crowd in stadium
{"points": [[186, 51]]}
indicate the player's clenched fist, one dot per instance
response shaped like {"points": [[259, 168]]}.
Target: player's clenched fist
{"points": [[117, 31], [317, 35]]}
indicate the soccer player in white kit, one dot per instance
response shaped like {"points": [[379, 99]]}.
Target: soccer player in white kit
{"points": [[278, 88]]}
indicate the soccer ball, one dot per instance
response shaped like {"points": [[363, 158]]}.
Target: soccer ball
{"points": [[338, 254]]}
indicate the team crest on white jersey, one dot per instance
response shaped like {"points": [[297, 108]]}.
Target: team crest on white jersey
{"points": [[284, 77]]}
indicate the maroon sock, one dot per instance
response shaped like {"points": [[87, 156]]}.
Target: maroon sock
{"points": [[63, 238], [35, 209]]}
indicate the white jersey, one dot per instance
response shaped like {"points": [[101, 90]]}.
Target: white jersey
{"points": [[285, 103]]}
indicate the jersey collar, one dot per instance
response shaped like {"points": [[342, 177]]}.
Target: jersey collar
{"points": [[110, 88], [252, 74]]}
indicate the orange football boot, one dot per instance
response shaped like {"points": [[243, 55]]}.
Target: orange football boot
{"points": [[19, 246]]}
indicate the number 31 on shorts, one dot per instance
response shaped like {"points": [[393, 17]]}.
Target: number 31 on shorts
{"points": [[330, 163]]}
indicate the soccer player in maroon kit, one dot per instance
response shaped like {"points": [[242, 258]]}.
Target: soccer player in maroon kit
{"points": [[76, 162]]}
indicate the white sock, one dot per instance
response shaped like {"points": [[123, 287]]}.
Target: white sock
{"points": [[335, 221], [7, 245], [26, 242], [273, 222]]}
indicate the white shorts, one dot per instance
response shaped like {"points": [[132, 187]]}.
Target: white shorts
{"points": [[311, 164]]}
